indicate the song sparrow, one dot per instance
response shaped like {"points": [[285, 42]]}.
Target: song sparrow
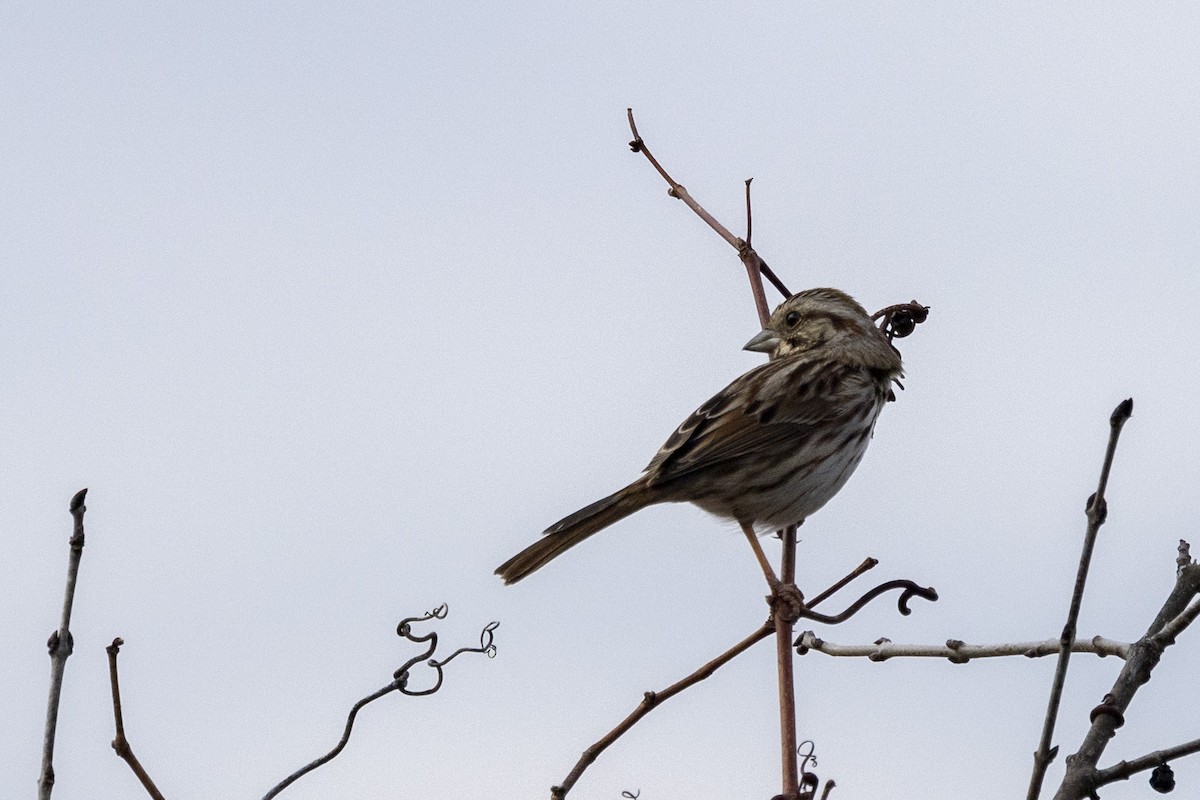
{"points": [[773, 446]]}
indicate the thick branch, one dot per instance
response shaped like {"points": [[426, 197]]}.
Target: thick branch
{"points": [[957, 651], [60, 646], [1082, 776], [1097, 510]]}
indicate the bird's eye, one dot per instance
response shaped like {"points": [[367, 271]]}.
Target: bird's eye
{"points": [[792, 318]]}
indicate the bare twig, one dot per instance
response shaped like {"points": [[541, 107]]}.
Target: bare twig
{"points": [[756, 268], [120, 743], [749, 215], [398, 684], [1082, 776], [908, 590], [956, 651], [650, 701], [310, 766], [1097, 510], [61, 645], [867, 564]]}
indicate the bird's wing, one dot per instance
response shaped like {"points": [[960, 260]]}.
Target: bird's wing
{"points": [[779, 402]]}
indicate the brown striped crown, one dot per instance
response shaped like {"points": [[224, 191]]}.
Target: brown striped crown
{"points": [[816, 317]]}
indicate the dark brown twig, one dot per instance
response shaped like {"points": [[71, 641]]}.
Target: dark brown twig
{"points": [[399, 683], [749, 215], [310, 766], [908, 590], [61, 645], [1097, 510], [120, 744]]}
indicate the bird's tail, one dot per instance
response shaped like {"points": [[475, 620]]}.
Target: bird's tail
{"points": [[571, 530]]}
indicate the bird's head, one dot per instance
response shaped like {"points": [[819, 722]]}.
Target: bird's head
{"points": [[811, 319]]}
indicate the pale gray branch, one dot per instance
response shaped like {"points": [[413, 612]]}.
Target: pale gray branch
{"points": [[61, 645], [1122, 770], [959, 652], [1082, 776]]}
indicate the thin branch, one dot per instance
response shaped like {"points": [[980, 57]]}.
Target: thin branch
{"points": [[1178, 611], [959, 652], [400, 682], [749, 215], [61, 645], [1124, 769], [650, 701], [120, 743], [756, 268], [867, 564], [638, 145], [1167, 635], [1097, 510], [310, 766]]}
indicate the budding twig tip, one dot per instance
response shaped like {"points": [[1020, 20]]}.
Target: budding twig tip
{"points": [[1122, 412]]}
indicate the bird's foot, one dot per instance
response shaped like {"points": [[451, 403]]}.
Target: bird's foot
{"points": [[786, 601]]}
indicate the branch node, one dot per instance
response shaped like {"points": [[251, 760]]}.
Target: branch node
{"points": [[1106, 707]]}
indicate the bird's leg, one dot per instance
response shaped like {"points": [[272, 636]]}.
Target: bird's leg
{"points": [[752, 537]]}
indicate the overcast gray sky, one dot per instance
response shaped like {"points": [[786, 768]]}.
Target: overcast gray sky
{"points": [[334, 308]]}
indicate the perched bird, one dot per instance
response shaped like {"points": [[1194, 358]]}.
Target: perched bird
{"points": [[773, 446]]}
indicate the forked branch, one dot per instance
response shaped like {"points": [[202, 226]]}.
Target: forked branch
{"points": [[756, 268]]}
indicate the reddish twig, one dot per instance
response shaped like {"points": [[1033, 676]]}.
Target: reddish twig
{"points": [[61, 646], [756, 268], [784, 613], [652, 700], [120, 744]]}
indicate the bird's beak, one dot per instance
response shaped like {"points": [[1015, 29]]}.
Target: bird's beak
{"points": [[765, 341]]}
